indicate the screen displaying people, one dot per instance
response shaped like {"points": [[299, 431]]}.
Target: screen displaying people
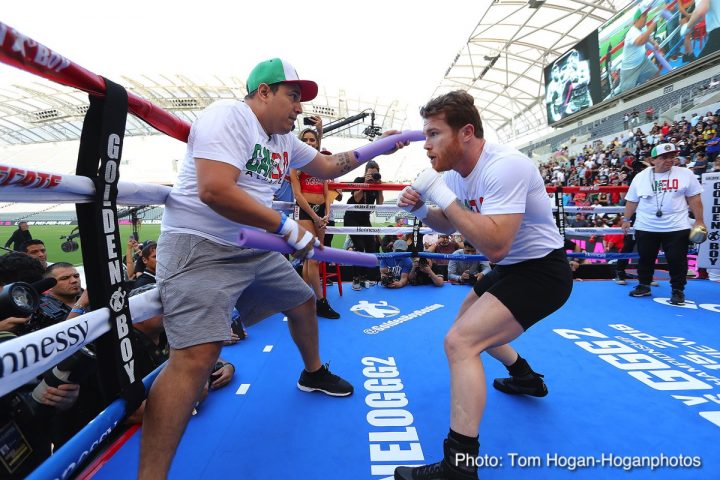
{"points": [[569, 81], [649, 38]]}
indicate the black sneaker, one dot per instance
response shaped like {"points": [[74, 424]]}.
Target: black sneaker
{"points": [[640, 291], [532, 385], [324, 381], [677, 297], [434, 471], [325, 310], [443, 470]]}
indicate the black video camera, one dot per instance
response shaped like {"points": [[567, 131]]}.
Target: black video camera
{"points": [[422, 262], [18, 299], [376, 177], [386, 279], [22, 299], [70, 245], [48, 313]]}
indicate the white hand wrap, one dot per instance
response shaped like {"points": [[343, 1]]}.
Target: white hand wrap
{"points": [[431, 186], [420, 210], [683, 30], [289, 230]]}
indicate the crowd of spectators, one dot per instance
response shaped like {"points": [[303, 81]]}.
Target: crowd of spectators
{"points": [[618, 161]]}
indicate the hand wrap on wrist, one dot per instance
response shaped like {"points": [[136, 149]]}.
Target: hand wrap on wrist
{"points": [[419, 210], [431, 186], [289, 229]]}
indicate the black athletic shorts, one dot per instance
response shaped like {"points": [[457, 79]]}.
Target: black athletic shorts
{"points": [[318, 208], [532, 289]]}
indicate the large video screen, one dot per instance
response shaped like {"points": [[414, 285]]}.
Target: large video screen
{"points": [[647, 39], [572, 81]]}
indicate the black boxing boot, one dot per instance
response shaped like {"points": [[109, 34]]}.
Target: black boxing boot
{"points": [[524, 381], [459, 462]]}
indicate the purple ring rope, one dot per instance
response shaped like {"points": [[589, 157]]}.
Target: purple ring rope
{"points": [[659, 56], [372, 150], [267, 241]]}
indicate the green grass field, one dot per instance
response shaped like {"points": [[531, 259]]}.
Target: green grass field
{"points": [[50, 234]]}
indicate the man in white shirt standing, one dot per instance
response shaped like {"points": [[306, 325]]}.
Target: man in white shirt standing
{"points": [[495, 197], [661, 195], [237, 156]]}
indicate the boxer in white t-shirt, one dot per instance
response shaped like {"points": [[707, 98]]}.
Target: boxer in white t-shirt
{"points": [[495, 197]]}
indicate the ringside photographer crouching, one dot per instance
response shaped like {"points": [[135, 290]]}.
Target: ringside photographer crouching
{"points": [[467, 272], [394, 271], [28, 413], [422, 273]]}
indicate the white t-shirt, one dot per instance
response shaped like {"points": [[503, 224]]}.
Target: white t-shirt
{"points": [[672, 189], [505, 181], [228, 131], [633, 55], [712, 17]]}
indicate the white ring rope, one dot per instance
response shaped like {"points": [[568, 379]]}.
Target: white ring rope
{"points": [[34, 186], [592, 208], [24, 358], [376, 230]]}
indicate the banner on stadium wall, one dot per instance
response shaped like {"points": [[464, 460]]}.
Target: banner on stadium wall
{"points": [[709, 251]]}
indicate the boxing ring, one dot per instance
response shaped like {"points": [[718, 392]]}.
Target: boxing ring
{"points": [[634, 383]]}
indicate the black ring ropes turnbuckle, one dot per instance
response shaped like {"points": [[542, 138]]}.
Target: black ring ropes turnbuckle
{"points": [[99, 159]]}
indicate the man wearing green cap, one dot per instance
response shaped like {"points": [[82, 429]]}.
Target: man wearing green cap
{"points": [[237, 156], [636, 67]]}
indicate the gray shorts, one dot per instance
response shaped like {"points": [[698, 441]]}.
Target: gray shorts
{"points": [[200, 281], [636, 76]]}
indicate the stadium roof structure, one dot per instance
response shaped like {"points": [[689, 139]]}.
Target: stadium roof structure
{"points": [[41, 111], [502, 63]]}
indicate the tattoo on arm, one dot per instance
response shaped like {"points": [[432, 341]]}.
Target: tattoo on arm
{"points": [[345, 162]]}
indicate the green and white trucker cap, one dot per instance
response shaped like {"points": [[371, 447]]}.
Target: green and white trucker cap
{"points": [[276, 70]]}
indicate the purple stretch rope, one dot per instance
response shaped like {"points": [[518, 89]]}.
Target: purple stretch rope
{"points": [[267, 241], [378, 147]]}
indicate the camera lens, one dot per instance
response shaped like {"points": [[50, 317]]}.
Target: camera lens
{"points": [[376, 176]]}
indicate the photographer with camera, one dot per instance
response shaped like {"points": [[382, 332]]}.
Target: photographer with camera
{"points": [[422, 273], [467, 272], [28, 414], [394, 271], [364, 243], [17, 267]]}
